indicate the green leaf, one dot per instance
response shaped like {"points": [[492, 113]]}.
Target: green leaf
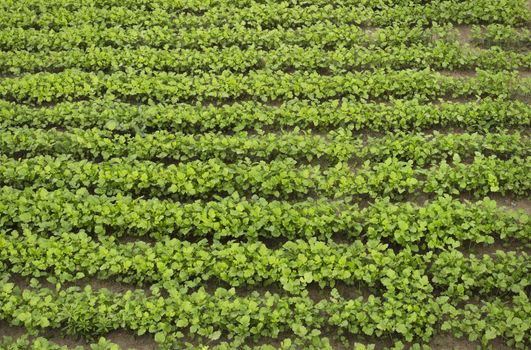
{"points": [[215, 335], [25, 217], [160, 337], [491, 334], [44, 322], [181, 323], [24, 316], [308, 277], [401, 328], [111, 125]]}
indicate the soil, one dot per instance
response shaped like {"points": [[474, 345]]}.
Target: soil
{"points": [[464, 33], [447, 342], [513, 203], [128, 341]]}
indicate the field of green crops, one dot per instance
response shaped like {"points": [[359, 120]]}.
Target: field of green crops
{"points": [[259, 174]]}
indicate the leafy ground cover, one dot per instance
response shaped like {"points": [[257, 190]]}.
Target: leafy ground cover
{"points": [[257, 174]]}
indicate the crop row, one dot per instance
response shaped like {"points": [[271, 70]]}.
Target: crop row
{"points": [[198, 6], [503, 36], [273, 14], [504, 272], [258, 85], [294, 265], [40, 343], [323, 35], [438, 55], [278, 178], [443, 222], [339, 145], [252, 317], [405, 115], [320, 34]]}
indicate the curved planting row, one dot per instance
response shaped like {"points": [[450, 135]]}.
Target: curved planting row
{"points": [[443, 222], [437, 55], [404, 115], [319, 34], [294, 265], [278, 178], [94, 313], [259, 85], [272, 15], [339, 145]]}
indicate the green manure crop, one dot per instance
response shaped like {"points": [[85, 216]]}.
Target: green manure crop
{"points": [[258, 174]]}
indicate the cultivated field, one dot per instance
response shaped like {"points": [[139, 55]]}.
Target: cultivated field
{"points": [[297, 174]]}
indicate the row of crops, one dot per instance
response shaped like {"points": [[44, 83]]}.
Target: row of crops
{"points": [[257, 174]]}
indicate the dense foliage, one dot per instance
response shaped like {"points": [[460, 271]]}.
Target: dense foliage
{"points": [[258, 174]]}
